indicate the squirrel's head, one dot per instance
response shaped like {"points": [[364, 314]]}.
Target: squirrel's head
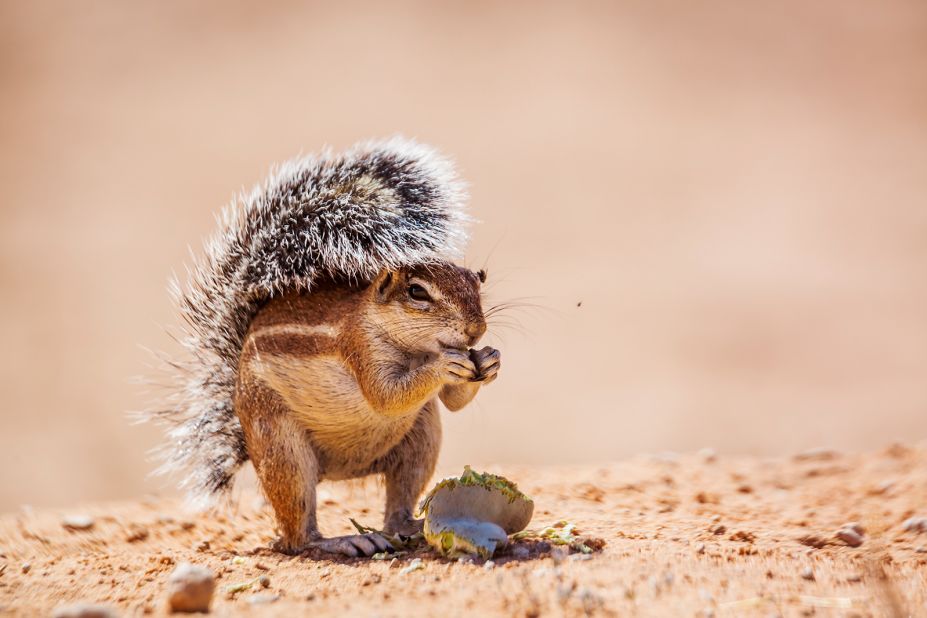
{"points": [[428, 307]]}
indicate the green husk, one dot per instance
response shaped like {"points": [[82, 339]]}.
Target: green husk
{"points": [[465, 537], [473, 514], [471, 478]]}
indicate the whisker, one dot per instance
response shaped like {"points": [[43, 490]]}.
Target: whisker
{"points": [[518, 328], [508, 307]]}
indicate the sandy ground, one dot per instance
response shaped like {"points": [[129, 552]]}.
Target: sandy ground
{"points": [[693, 534]]}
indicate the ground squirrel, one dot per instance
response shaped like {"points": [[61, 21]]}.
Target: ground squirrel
{"points": [[324, 322]]}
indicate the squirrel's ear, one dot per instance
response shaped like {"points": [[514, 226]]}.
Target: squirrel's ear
{"points": [[384, 283]]}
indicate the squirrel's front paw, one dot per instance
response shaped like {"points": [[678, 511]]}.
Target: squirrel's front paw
{"points": [[456, 366], [487, 361]]}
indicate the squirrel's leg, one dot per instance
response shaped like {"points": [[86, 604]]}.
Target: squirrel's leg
{"points": [[289, 472], [408, 467], [287, 468], [283, 459]]}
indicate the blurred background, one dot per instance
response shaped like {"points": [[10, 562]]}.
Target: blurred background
{"points": [[716, 209]]}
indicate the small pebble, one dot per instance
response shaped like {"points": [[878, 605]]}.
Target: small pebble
{"points": [[921, 549], [855, 578], [708, 455], [915, 524], [190, 588], [84, 610], [77, 522], [808, 574], [489, 565], [264, 581], [700, 548], [850, 537], [27, 566]]}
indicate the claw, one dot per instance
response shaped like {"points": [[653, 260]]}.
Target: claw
{"points": [[354, 545]]}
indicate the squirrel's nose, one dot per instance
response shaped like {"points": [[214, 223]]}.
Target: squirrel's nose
{"points": [[475, 330]]}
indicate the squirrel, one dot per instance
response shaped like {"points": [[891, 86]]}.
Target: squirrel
{"points": [[323, 323]]}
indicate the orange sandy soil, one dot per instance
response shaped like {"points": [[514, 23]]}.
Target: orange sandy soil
{"points": [[687, 535]]}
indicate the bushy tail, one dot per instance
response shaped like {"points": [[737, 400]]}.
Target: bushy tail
{"points": [[379, 205]]}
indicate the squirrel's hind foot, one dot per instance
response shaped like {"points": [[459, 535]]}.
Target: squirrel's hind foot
{"points": [[353, 545]]}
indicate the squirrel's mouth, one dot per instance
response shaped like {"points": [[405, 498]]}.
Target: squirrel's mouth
{"points": [[462, 348]]}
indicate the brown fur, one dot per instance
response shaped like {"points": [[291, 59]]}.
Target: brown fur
{"points": [[342, 382]]}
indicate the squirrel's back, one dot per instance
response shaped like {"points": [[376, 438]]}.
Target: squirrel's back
{"points": [[380, 205]]}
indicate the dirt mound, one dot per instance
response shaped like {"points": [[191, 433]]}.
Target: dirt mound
{"points": [[686, 535]]}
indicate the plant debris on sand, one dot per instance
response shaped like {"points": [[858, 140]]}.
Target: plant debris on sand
{"points": [[664, 555], [475, 515]]}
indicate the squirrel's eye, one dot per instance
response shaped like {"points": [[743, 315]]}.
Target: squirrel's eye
{"points": [[418, 292]]}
